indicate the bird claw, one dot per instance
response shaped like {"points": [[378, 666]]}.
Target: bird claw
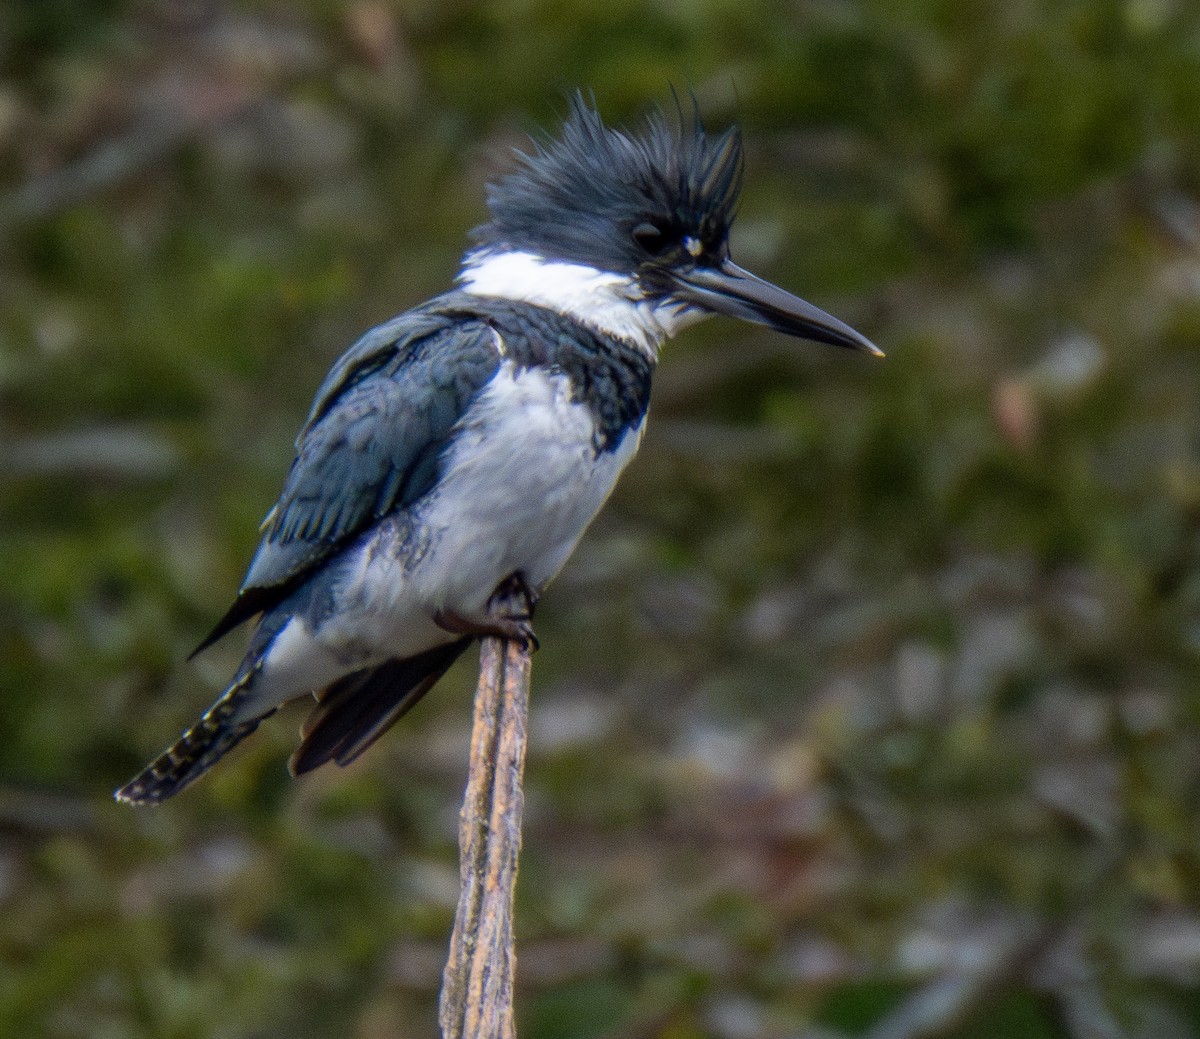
{"points": [[509, 616], [499, 625], [513, 603], [519, 629]]}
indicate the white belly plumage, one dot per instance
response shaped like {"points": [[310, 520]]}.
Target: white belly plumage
{"points": [[520, 485], [522, 482]]}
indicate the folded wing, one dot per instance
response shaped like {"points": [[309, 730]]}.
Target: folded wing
{"points": [[373, 443]]}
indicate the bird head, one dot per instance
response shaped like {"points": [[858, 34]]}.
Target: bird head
{"points": [[651, 211]]}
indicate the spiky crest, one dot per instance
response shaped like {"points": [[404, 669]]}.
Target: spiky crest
{"points": [[616, 200]]}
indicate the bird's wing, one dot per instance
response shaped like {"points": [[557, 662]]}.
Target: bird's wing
{"points": [[372, 444]]}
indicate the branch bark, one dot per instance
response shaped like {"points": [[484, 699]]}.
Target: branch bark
{"points": [[477, 984]]}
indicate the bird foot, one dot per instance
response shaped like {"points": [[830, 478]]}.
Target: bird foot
{"points": [[515, 597], [510, 613]]}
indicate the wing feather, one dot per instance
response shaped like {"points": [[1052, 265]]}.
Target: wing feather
{"points": [[372, 444]]}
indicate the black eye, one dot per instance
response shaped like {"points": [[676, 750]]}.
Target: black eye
{"points": [[654, 238]]}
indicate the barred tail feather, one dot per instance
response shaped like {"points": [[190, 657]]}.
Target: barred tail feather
{"points": [[196, 751]]}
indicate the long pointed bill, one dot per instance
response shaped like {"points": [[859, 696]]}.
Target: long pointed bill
{"points": [[730, 290]]}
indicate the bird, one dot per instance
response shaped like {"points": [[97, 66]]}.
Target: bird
{"points": [[464, 446]]}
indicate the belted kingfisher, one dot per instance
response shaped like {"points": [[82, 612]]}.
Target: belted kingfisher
{"points": [[469, 442]]}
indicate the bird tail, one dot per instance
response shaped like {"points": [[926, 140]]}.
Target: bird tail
{"points": [[356, 710], [198, 749], [351, 714]]}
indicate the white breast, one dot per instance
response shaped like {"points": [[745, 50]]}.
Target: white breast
{"points": [[522, 483]]}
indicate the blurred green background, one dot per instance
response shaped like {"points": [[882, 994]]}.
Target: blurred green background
{"points": [[869, 706]]}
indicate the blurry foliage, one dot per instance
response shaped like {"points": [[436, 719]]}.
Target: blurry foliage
{"points": [[869, 706]]}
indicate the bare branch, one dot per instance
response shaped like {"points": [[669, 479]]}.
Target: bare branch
{"points": [[477, 984]]}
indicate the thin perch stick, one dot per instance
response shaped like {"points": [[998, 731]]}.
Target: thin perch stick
{"points": [[477, 985]]}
